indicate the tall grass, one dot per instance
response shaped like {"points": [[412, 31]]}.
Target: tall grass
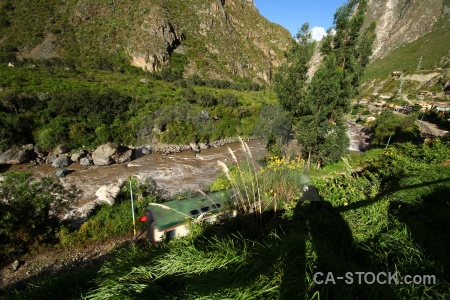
{"points": [[275, 187], [403, 228]]}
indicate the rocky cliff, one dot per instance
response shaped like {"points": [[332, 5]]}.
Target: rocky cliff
{"points": [[401, 22], [221, 39]]}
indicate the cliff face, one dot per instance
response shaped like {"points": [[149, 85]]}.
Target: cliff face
{"points": [[401, 22], [223, 39]]}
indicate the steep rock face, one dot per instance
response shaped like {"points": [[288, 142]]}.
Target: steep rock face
{"points": [[401, 22], [221, 39]]}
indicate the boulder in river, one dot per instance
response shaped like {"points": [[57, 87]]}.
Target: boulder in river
{"points": [[62, 173], [85, 161], [203, 146], [102, 156], [78, 155], [15, 156], [61, 149], [195, 147], [110, 153], [61, 162], [125, 156], [51, 158]]}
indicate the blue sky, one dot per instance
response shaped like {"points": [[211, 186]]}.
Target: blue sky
{"points": [[292, 14]]}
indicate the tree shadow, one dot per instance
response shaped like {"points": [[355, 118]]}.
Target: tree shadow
{"points": [[332, 250], [4, 167]]}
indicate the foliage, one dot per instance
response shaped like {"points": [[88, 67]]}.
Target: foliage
{"points": [[77, 108], [290, 80], [107, 221], [402, 129], [273, 125], [29, 209], [275, 187], [344, 189], [318, 108], [395, 220]]}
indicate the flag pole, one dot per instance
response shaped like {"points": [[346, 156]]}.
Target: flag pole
{"points": [[132, 210]]}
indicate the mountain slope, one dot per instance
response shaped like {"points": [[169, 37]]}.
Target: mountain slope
{"points": [[410, 35], [221, 39]]}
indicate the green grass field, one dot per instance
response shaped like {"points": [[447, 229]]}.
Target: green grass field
{"points": [[391, 218]]}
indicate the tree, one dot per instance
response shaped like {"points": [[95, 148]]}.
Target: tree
{"points": [[290, 80], [319, 108]]}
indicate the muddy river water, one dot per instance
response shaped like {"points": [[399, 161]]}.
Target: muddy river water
{"points": [[173, 173]]}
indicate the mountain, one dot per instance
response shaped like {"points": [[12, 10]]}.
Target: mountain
{"points": [[214, 39], [411, 34]]}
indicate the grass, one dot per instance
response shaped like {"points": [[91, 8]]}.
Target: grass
{"points": [[401, 227]]}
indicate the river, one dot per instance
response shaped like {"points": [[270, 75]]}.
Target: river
{"points": [[173, 173]]}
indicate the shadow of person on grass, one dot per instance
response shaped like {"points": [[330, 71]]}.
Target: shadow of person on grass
{"points": [[325, 239], [315, 239], [429, 224]]}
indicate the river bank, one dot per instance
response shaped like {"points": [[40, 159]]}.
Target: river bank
{"points": [[173, 173]]}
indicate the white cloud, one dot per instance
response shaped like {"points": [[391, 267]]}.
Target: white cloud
{"points": [[317, 33]]}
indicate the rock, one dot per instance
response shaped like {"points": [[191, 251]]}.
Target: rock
{"points": [[85, 161], [144, 80], [15, 265], [61, 149], [102, 156], [146, 151], [77, 156], [62, 173], [61, 162], [126, 156], [194, 147], [15, 156], [108, 194], [51, 158], [39, 151], [203, 146], [28, 147]]}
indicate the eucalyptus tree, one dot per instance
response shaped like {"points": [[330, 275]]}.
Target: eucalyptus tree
{"points": [[319, 108]]}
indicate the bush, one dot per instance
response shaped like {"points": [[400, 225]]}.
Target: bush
{"points": [[29, 210], [205, 99], [229, 100], [107, 221], [402, 129]]}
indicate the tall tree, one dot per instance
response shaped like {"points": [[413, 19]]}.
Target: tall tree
{"points": [[320, 109], [290, 80]]}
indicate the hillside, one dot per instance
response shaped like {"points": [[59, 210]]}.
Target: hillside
{"points": [[411, 35], [221, 39]]}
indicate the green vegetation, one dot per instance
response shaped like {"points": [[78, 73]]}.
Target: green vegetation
{"points": [[49, 105], [397, 128], [106, 35], [107, 221], [431, 47], [29, 211], [318, 109], [388, 218]]}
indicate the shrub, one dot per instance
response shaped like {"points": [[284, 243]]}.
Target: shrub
{"points": [[402, 129], [29, 210], [229, 100], [205, 99]]}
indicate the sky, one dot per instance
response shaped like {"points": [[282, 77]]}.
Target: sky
{"points": [[292, 14]]}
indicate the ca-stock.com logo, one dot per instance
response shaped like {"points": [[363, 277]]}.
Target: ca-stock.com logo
{"points": [[369, 278]]}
